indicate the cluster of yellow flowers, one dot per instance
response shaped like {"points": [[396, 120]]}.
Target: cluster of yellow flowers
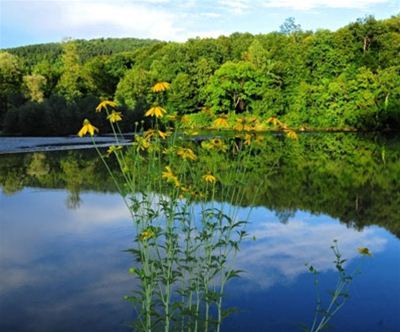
{"points": [[113, 117], [143, 142], [170, 176], [158, 111], [150, 133], [221, 122], [88, 128], [250, 124], [247, 124], [290, 133]]}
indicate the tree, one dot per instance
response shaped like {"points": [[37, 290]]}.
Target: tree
{"points": [[134, 89], [289, 26], [51, 71], [183, 95], [70, 83], [257, 55], [234, 87], [34, 86], [10, 80]]}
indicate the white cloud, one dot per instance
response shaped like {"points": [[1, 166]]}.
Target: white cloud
{"points": [[281, 250], [236, 6], [211, 14], [240, 6], [123, 18], [312, 4], [94, 215], [174, 20]]}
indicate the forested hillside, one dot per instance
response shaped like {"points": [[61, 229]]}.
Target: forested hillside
{"points": [[347, 79]]}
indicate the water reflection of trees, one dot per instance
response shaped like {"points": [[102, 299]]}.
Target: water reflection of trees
{"points": [[75, 171], [352, 178]]}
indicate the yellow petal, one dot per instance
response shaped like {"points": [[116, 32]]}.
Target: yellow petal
{"points": [[156, 111], [104, 104], [160, 86]]}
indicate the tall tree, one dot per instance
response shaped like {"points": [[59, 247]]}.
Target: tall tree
{"points": [[10, 80], [70, 82], [34, 86]]}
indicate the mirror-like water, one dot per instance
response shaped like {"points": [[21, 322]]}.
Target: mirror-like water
{"points": [[63, 232]]}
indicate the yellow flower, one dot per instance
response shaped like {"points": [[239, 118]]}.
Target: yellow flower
{"points": [[170, 176], [146, 235], [185, 189], [113, 149], [160, 86], [151, 133], [259, 127], [245, 124], [167, 174], [216, 143], [364, 251], [104, 104], [186, 154], [221, 122], [191, 132], [162, 134], [87, 128], [141, 143], [240, 125], [114, 117], [209, 178], [247, 139], [291, 134], [156, 111], [275, 121]]}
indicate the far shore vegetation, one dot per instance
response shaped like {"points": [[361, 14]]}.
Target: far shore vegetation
{"points": [[344, 80]]}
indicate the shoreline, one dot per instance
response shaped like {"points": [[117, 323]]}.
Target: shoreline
{"points": [[26, 144], [21, 144]]}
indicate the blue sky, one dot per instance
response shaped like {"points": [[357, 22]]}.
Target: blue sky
{"points": [[25, 22]]}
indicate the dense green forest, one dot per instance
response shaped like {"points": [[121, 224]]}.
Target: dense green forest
{"points": [[347, 79]]}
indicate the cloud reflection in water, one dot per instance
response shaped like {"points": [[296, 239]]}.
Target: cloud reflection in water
{"points": [[67, 269], [280, 251]]}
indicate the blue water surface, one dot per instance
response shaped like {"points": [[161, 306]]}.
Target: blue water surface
{"points": [[66, 269]]}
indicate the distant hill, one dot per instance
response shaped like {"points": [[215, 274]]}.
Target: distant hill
{"points": [[33, 54]]}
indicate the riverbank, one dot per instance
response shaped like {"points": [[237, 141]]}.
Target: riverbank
{"points": [[37, 144]]}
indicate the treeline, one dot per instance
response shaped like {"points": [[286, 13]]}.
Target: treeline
{"points": [[51, 52], [347, 79]]}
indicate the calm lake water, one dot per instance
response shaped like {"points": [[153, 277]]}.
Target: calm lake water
{"points": [[64, 232]]}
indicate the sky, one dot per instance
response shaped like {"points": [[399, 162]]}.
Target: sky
{"points": [[24, 22]]}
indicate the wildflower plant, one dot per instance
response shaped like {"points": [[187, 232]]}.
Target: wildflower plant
{"points": [[339, 295], [185, 212]]}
